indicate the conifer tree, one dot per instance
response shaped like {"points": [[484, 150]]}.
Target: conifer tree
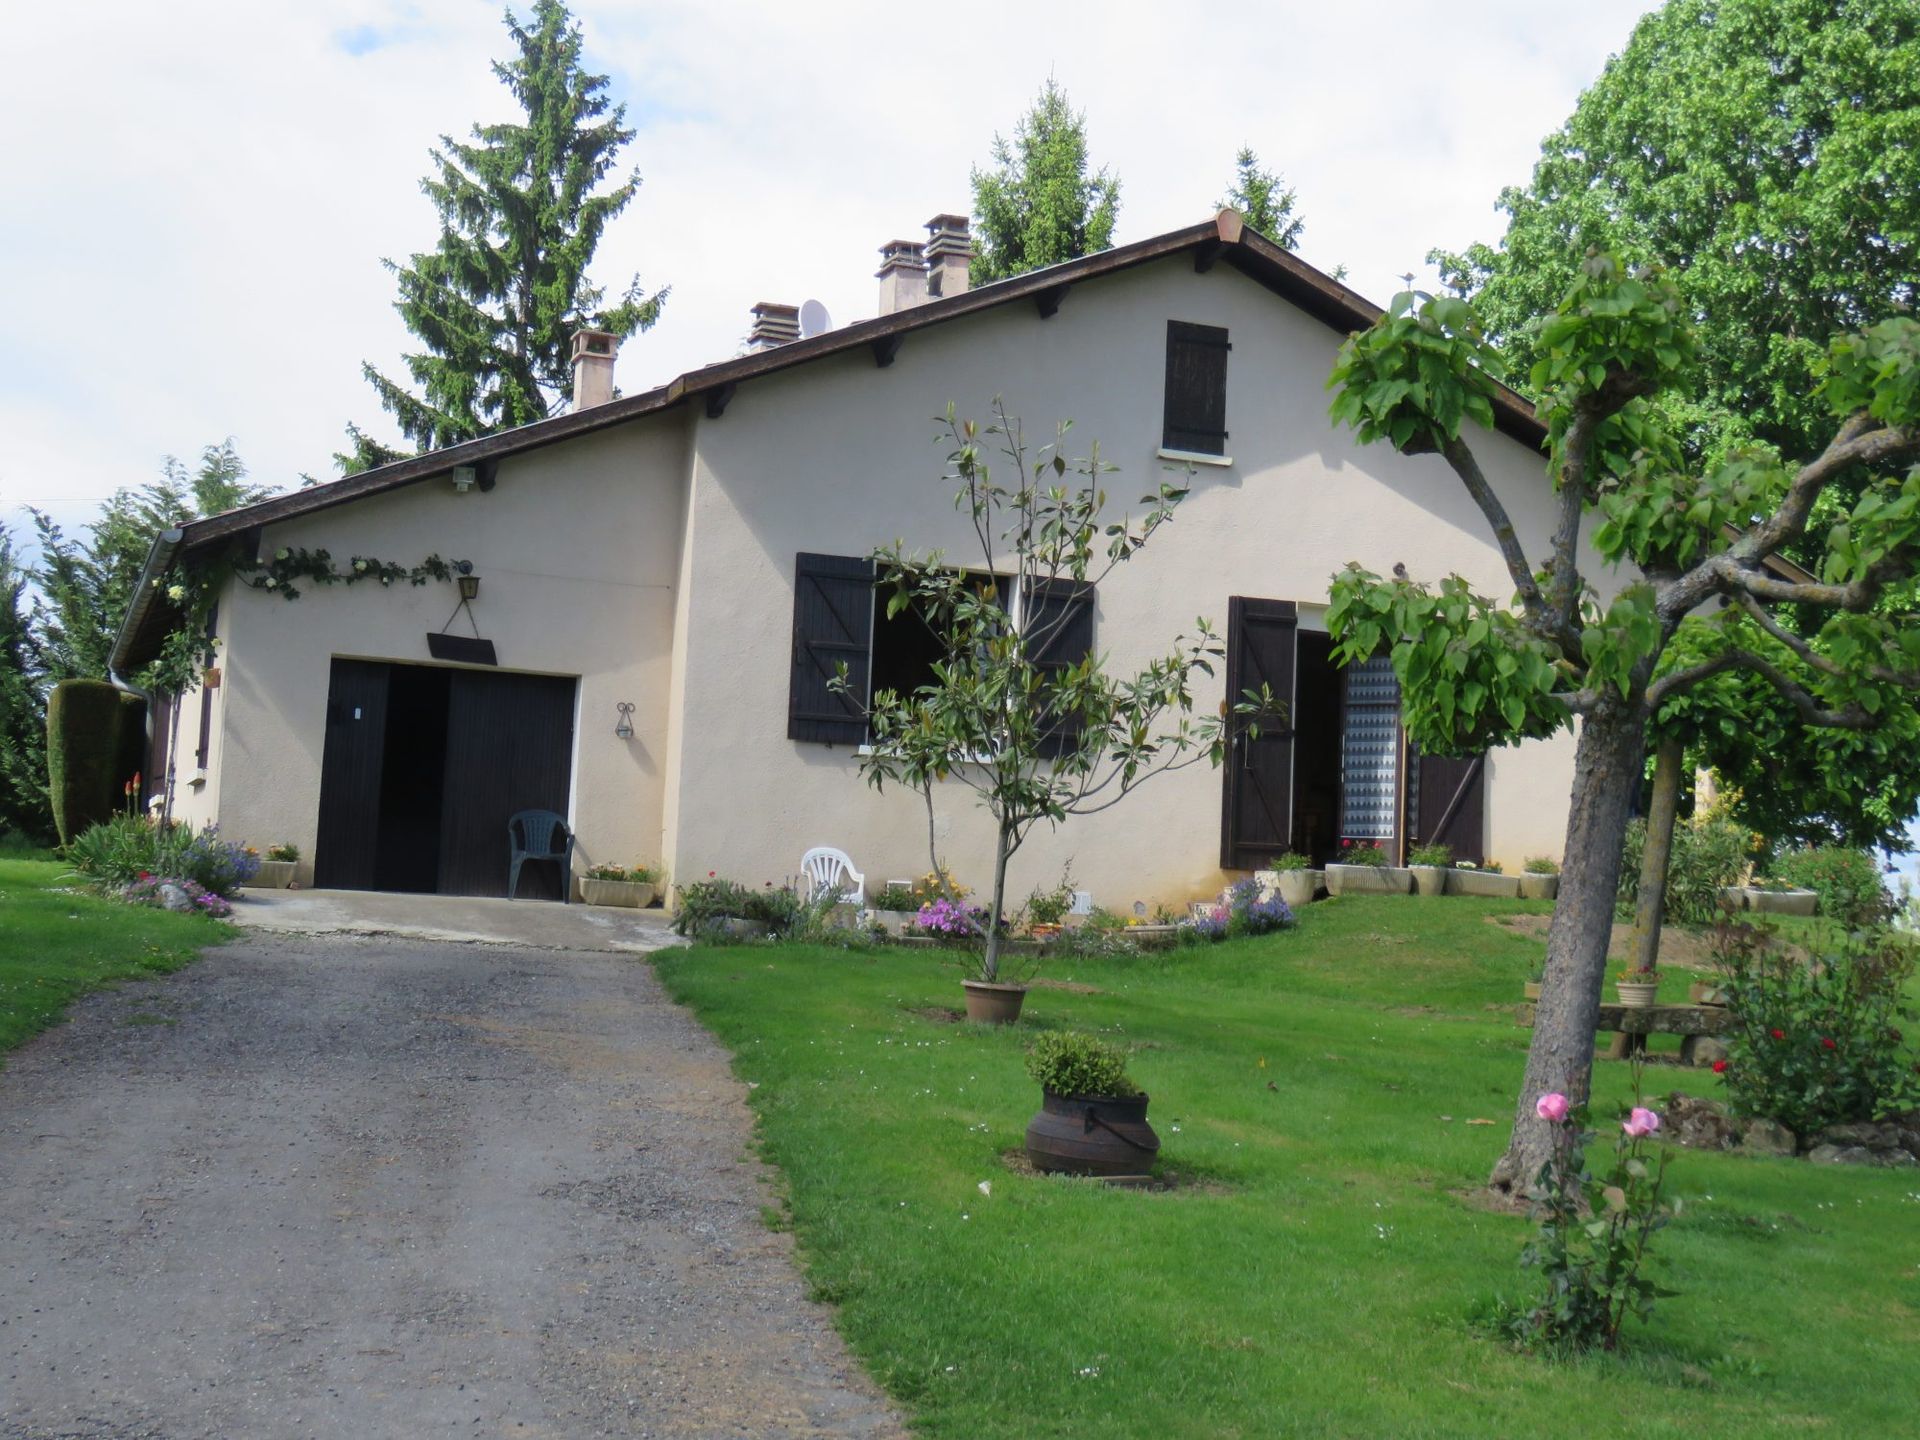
{"points": [[1039, 205], [496, 301], [24, 809], [1264, 199]]}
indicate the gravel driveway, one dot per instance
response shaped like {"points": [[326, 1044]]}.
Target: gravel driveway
{"points": [[367, 1188]]}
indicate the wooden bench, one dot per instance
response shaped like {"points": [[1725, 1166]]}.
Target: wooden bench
{"points": [[1631, 1026]]}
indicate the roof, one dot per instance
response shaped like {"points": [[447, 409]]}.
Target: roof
{"points": [[1223, 239]]}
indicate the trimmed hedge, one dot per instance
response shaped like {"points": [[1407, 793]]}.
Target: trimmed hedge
{"points": [[96, 737]]}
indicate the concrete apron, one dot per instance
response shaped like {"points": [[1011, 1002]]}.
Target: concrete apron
{"points": [[545, 924]]}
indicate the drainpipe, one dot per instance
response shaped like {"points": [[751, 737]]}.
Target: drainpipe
{"points": [[159, 560]]}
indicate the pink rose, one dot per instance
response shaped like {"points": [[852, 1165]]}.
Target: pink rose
{"points": [[1551, 1107], [1641, 1122]]}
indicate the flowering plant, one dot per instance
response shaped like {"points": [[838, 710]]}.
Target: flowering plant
{"points": [[283, 852], [950, 919], [1594, 1230], [151, 890], [1363, 852], [630, 874], [1243, 910]]}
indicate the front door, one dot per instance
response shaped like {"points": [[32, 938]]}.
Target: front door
{"points": [[1257, 818]]}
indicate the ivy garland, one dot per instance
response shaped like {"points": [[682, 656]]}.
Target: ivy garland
{"points": [[187, 648]]}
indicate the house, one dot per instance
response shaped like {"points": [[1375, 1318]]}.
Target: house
{"points": [[663, 581]]}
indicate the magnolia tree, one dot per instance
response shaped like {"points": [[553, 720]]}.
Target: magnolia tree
{"points": [[1022, 713], [1688, 551]]}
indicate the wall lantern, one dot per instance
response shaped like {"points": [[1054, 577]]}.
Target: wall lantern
{"points": [[623, 729], [465, 477], [469, 582]]}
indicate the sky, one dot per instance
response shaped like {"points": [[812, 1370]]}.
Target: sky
{"points": [[198, 195]]}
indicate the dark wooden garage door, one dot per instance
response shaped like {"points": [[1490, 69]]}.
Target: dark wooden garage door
{"points": [[509, 748]]}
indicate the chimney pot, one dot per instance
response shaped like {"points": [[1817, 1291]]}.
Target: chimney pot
{"points": [[774, 325], [902, 276], [949, 253], [593, 357]]}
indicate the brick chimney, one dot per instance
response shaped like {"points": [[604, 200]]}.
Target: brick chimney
{"points": [[593, 356], [903, 276], [774, 325], [949, 252]]}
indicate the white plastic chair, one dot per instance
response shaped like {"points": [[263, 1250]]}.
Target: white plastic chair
{"points": [[826, 868]]}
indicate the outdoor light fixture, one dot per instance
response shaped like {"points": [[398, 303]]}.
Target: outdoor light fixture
{"points": [[469, 582], [623, 729], [465, 477]]}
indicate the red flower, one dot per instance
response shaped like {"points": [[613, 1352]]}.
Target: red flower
{"points": [[1826, 1043], [1719, 1067], [709, 874], [1779, 1034]]}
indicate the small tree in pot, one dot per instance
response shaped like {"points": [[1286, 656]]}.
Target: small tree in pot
{"points": [[1093, 1118], [1035, 731]]}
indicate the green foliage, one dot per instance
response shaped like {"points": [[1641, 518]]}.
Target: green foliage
{"points": [[280, 571], [1709, 854], [1291, 860], [129, 847], [25, 809], [1541, 865], [1851, 888], [1045, 907], [626, 874], [1034, 738], [284, 853], [1264, 200], [1364, 852], [87, 745], [1071, 1062], [1595, 1232], [1434, 853], [1816, 1042], [1767, 149], [1415, 374], [895, 897], [495, 303], [705, 901], [1039, 205]]}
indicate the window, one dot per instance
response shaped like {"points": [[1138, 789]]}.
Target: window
{"points": [[1196, 409], [840, 618], [1370, 753]]}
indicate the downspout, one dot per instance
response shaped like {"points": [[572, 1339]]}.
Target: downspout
{"points": [[159, 560]]}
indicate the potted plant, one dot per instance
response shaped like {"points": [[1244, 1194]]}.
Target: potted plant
{"points": [[1536, 977], [1364, 869], [1430, 864], [1485, 880], [276, 871], [716, 909], [1047, 908], [1541, 878], [1092, 1118], [1291, 877], [1637, 988], [631, 886], [894, 905]]}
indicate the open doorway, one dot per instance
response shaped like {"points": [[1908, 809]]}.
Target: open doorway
{"points": [[1316, 749]]}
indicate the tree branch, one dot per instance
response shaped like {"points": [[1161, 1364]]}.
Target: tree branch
{"points": [[1906, 679], [1811, 711], [1468, 469]]}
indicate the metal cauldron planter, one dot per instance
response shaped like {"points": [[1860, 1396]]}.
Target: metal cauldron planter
{"points": [[1103, 1135]]}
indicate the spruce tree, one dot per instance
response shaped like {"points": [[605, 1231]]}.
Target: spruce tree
{"points": [[24, 810], [1040, 205], [496, 301], [1264, 199]]}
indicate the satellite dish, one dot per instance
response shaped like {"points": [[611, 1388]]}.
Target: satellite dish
{"points": [[814, 320]]}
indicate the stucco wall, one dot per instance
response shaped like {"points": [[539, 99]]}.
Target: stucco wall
{"points": [[838, 456], [577, 547]]}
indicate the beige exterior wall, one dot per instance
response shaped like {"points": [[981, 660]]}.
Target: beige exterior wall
{"points": [[196, 790], [577, 547], [838, 456]]}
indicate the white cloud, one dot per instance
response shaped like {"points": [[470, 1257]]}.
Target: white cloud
{"points": [[198, 194]]}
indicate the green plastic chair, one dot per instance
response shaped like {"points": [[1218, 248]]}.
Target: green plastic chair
{"points": [[540, 835]]}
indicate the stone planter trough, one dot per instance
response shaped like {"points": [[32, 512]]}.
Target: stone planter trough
{"points": [[1429, 879], [627, 894], [1369, 880], [1296, 887], [274, 875], [1484, 883], [1539, 887], [1782, 902]]}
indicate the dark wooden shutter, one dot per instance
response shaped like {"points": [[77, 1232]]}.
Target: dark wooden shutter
{"points": [[350, 766], [1257, 816], [1449, 801], [832, 626], [1060, 615], [509, 748], [1196, 413]]}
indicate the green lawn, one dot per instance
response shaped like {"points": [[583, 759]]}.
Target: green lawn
{"points": [[1323, 1085], [57, 943]]}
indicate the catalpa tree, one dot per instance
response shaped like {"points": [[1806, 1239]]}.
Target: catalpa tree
{"points": [[1690, 590]]}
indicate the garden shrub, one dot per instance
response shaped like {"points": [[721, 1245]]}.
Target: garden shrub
{"points": [[90, 730], [1364, 852], [1434, 853], [152, 890], [1817, 1042], [1848, 882], [1242, 912], [1709, 854], [1072, 1062], [117, 852]]}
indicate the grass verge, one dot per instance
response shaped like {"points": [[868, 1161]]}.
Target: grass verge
{"points": [[1332, 1086], [57, 943]]}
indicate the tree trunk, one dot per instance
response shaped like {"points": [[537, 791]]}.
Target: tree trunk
{"points": [[1657, 854], [990, 967], [1607, 766]]}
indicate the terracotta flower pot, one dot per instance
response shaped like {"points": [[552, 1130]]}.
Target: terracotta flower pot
{"points": [[1092, 1135], [990, 1003], [1637, 994], [1043, 930]]}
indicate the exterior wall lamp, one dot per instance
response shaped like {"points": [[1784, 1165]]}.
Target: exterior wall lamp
{"points": [[469, 582], [623, 728]]}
